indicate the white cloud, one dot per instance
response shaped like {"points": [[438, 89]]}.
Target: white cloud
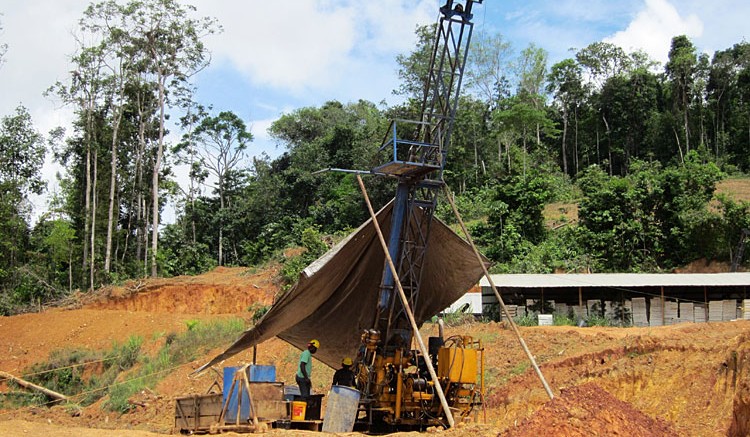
{"points": [[282, 47], [653, 28], [725, 22], [40, 42], [309, 44]]}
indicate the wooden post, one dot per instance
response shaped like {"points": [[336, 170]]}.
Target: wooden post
{"points": [[250, 405], [513, 326], [27, 384], [580, 300], [663, 306]]}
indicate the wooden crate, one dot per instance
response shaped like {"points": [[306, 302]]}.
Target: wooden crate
{"points": [[268, 400], [197, 413]]}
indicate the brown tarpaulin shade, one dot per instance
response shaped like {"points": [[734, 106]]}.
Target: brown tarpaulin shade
{"points": [[336, 296]]}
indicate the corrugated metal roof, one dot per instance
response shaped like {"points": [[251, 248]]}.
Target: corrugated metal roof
{"points": [[618, 280]]}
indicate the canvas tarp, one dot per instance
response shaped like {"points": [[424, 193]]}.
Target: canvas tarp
{"points": [[335, 299]]}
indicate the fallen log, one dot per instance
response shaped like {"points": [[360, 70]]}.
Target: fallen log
{"points": [[27, 384]]}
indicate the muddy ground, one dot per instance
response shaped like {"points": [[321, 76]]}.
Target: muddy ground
{"points": [[689, 379]]}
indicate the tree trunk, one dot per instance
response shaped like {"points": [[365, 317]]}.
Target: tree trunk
{"points": [[147, 217], [598, 151], [221, 221], [112, 186], [155, 178], [575, 118], [685, 120], [609, 144], [679, 147], [564, 140], [93, 225], [87, 208], [142, 221], [70, 270], [27, 384]]}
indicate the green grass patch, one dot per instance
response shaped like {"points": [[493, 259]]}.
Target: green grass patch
{"points": [[595, 320], [178, 350], [520, 368], [526, 320], [563, 320], [81, 372], [86, 375]]}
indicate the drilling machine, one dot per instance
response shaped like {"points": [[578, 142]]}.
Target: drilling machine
{"points": [[397, 390]]}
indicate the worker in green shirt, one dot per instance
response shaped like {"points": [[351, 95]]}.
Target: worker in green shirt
{"points": [[304, 369]]}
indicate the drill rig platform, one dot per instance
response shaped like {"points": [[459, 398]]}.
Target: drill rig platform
{"points": [[357, 305]]}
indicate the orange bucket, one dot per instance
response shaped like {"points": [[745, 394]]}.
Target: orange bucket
{"points": [[298, 410]]}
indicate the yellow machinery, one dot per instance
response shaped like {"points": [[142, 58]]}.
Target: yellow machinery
{"points": [[398, 391]]}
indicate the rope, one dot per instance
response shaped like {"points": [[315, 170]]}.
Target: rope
{"points": [[26, 375]]}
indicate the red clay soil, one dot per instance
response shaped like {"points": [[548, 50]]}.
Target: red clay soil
{"points": [[588, 410], [689, 379]]}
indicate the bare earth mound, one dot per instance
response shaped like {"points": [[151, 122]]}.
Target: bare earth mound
{"points": [[588, 410], [689, 379]]}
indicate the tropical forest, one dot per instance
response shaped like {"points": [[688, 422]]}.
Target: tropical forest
{"points": [[603, 162]]}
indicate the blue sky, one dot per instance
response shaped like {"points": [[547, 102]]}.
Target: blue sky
{"points": [[276, 56]]}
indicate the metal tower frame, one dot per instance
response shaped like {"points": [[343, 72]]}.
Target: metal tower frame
{"points": [[417, 163]]}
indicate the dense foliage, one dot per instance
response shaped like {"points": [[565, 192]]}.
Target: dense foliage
{"points": [[634, 147]]}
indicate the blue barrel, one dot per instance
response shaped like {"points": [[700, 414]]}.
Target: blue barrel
{"points": [[255, 374], [341, 409]]}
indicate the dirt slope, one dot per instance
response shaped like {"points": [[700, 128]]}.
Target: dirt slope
{"points": [[686, 379]]}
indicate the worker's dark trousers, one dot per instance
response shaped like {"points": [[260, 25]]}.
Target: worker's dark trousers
{"points": [[304, 386]]}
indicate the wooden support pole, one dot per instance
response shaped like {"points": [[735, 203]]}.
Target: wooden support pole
{"points": [[407, 309], [663, 306], [251, 406], [27, 384], [580, 300], [497, 294]]}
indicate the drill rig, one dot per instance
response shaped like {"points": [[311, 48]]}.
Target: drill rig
{"points": [[397, 390]]}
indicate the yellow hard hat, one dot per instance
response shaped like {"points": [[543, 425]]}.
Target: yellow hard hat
{"points": [[347, 361], [315, 343]]}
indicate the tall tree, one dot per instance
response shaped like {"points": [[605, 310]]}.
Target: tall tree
{"points": [[413, 68], [223, 139], [21, 158], [565, 82], [603, 60], [488, 67], [118, 56], [681, 69], [84, 91], [531, 68], [170, 41]]}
